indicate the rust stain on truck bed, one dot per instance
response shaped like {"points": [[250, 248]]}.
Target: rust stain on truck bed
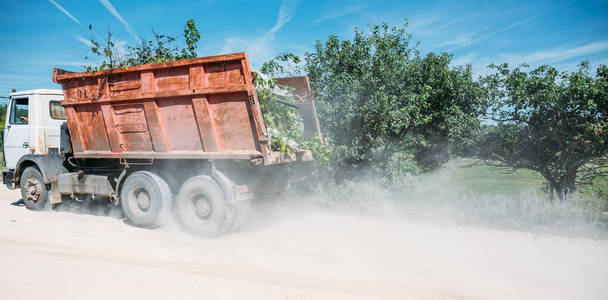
{"points": [[202, 108]]}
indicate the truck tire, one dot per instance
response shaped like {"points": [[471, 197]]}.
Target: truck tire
{"points": [[145, 199], [34, 191], [202, 208]]}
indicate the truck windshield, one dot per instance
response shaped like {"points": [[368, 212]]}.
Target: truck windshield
{"points": [[19, 112]]}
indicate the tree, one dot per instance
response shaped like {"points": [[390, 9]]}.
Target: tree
{"points": [[548, 121], [383, 104]]}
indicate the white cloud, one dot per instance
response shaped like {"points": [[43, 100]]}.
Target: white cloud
{"points": [[471, 38], [462, 60], [112, 10], [81, 39], [602, 61], [258, 50], [454, 21], [422, 23], [65, 11], [286, 12], [564, 58], [437, 28], [462, 40], [337, 13], [262, 49], [511, 26], [557, 54]]}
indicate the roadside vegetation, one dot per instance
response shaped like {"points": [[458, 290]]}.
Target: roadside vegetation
{"points": [[473, 191], [468, 191], [417, 129], [496, 149], [552, 122]]}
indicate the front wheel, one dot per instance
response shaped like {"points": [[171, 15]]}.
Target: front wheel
{"points": [[34, 192], [144, 199], [202, 208]]}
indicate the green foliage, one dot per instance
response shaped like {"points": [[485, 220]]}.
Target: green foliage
{"points": [[548, 121], [3, 111], [284, 64], [192, 37], [160, 49], [278, 116], [278, 143], [389, 112], [383, 104], [283, 122]]}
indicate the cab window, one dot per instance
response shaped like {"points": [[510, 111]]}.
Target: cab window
{"points": [[57, 111], [19, 111]]}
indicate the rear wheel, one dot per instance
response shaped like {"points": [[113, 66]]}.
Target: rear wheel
{"points": [[202, 208], [34, 192], [145, 198]]}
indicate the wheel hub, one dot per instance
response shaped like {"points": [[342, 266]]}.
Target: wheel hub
{"points": [[202, 206], [33, 190], [143, 200]]}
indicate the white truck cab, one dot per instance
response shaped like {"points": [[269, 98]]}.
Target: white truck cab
{"points": [[32, 125]]}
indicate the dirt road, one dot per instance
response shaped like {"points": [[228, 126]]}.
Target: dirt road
{"points": [[288, 253]]}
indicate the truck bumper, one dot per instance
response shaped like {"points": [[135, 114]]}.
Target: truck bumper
{"points": [[8, 178]]}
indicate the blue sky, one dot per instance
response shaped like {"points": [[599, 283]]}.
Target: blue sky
{"points": [[39, 35]]}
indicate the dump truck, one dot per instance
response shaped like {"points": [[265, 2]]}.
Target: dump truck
{"points": [[183, 138]]}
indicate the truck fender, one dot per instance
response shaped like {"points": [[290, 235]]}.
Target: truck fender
{"points": [[50, 166]]}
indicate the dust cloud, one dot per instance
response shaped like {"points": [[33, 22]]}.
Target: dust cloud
{"points": [[432, 242]]}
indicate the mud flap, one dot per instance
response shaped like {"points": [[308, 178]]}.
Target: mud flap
{"points": [[55, 195]]}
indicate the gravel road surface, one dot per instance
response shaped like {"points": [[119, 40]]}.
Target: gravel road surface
{"points": [[290, 252]]}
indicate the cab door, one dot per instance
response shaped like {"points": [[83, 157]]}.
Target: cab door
{"points": [[16, 131]]}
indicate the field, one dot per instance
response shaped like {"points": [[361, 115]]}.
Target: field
{"points": [[486, 180], [465, 190]]}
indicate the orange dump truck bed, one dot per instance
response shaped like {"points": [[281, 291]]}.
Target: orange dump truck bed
{"points": [[202, 108]]}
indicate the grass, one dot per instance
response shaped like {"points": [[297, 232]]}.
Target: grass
{"points": [[516, 199], [483, 180]]}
